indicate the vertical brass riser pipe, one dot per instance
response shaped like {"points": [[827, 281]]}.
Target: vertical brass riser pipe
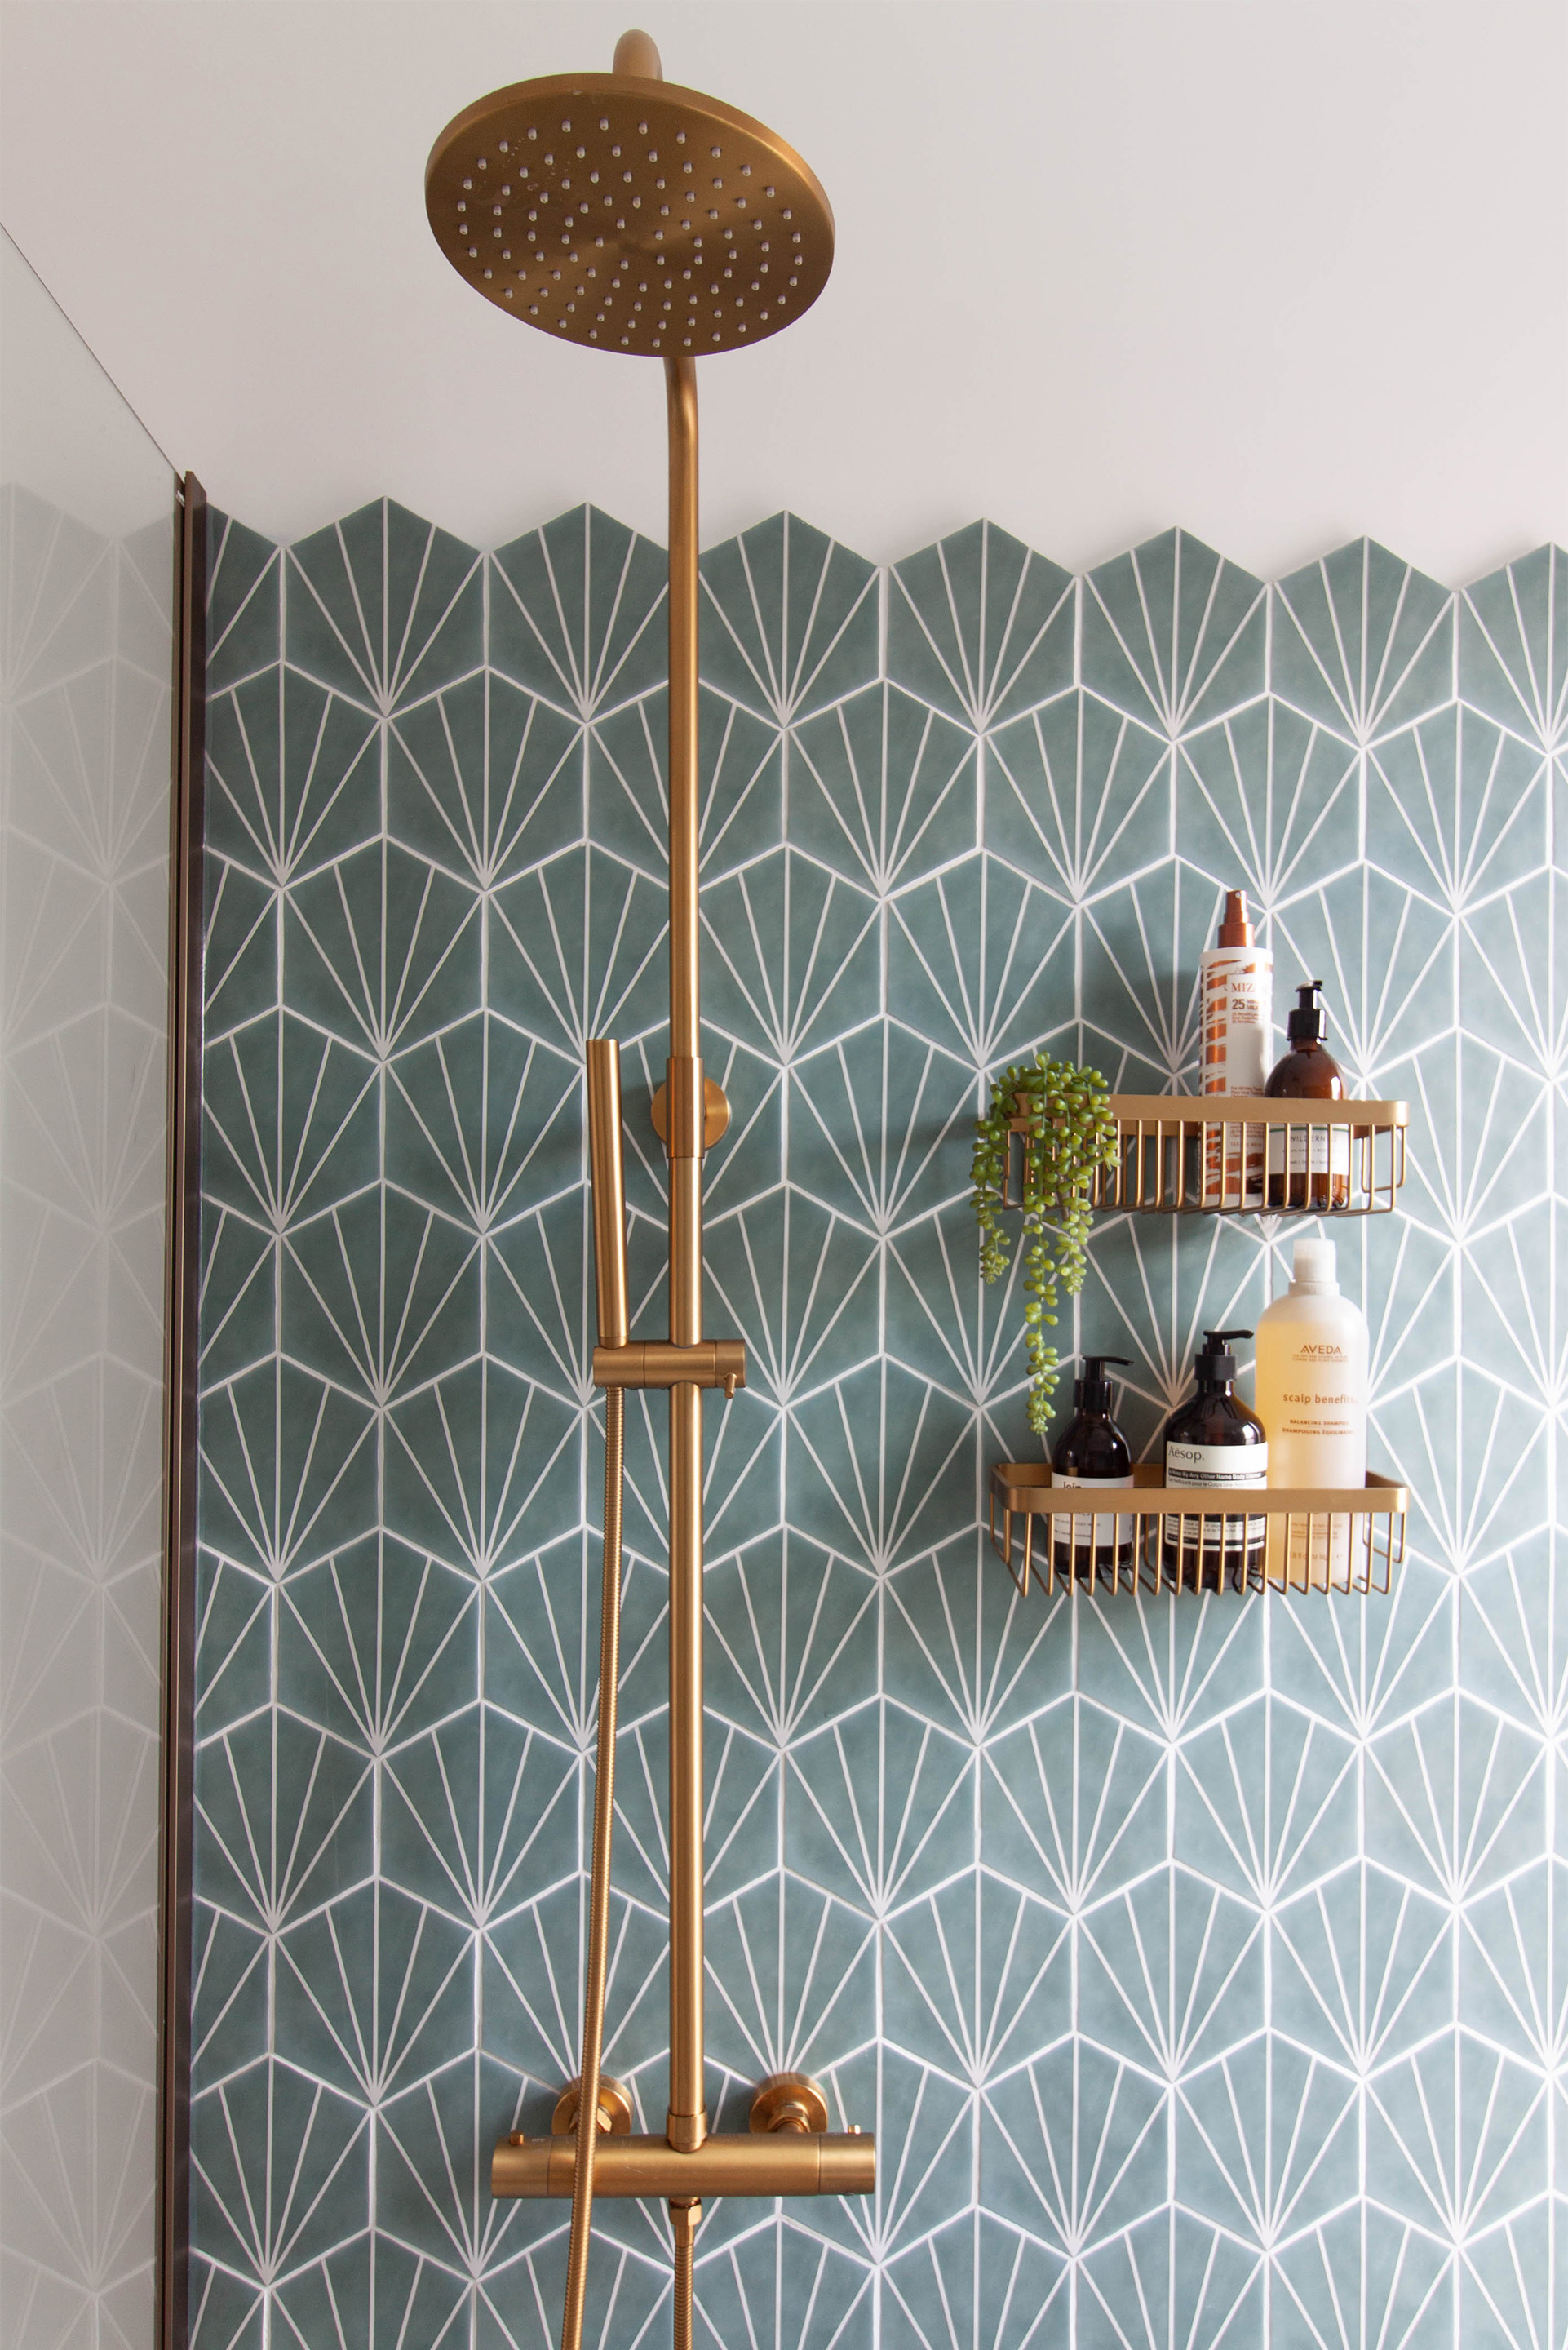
{"points": [[687, 2122]]}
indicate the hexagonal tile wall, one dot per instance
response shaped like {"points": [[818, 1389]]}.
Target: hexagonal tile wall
{"points": [[1202, 1964]]}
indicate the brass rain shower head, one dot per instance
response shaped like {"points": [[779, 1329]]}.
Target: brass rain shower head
{"points": [[628, 213]]}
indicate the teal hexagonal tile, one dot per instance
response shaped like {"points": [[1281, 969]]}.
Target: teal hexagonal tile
{"points": [[288, 1469], [229, 1986], [981, 961], [1170, 1973], [1455, 1799], [286, 1820], [243, 571], [240, 958], [1387, 961], [791, 1980], [483, 1123], [792, 1636], [790, 619], [1269, 800], [1075, 2146], [375, 1991], [882, 1466], [381, 1294], [294, 776], [484, 780], [879, 1807], [1457, 808], [574, 950], [962, 1646], [383, 607], [574, 612], [741, 762], [883, 789], [1362, 641], [291, 1120], [279, 2169], [479, 1814], [795, 955], [1513, 645], [383, 950], [980, 627], [1077, 795], [1175, 2280], [377, 1643], [1361, 1968], [1074, 1804], [1455, 2135], [1173, 633], [1266, 1799], [799, 1285], [481, 1468], [1266, 2140], [881, 1125], [1137, 994], [977, 1976]]}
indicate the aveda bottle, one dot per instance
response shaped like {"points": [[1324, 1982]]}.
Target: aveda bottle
{"points": [[1214, 1443], [1092, 1452], [1308, 1167], [1236, 984], [1311, 1391]]}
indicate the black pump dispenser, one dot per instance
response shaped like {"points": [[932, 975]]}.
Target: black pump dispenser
{"points": [[1215, 1365], [1213, 1442], [1308, 1023], [1092, 1450], [1092, 1392]]}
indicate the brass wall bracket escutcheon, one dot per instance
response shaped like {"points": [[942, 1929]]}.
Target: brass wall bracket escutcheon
{"points": [[789, 2101], [715, 1112], [614, 2110]]}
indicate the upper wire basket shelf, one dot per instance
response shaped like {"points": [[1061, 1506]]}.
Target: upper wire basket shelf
{"points": [[1245, 1154]]}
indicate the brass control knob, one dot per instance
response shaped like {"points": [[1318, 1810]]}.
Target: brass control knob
{"points": [[789, 2101]]}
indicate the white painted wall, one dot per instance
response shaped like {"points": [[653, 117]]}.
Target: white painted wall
{"points": [[1283, 273]]}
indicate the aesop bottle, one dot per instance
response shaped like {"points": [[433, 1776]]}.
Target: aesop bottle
{"points": [[1213, 1442]]}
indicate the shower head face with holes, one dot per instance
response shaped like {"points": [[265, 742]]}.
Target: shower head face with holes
{"points": [[629, 215]]}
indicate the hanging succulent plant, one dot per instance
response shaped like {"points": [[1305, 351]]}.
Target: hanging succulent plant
{"points": [[1071, 1133]]}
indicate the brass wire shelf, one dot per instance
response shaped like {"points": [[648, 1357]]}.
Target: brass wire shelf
{"points": [[1245, 1155], [1160, 1537]]}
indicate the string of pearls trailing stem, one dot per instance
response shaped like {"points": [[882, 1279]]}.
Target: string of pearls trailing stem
{"points": [[1070, 1134]]}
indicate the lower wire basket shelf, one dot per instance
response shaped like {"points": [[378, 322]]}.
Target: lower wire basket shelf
{"points": [[1160, 1537]]}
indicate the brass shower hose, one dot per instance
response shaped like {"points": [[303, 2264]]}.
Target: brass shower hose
{"points": [[598, 1897]]}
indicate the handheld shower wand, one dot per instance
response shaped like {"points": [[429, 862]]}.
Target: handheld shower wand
{"points": [[617, 211]]}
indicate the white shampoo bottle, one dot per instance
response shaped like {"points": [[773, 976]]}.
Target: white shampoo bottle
{"points": [[1312, 1385]]}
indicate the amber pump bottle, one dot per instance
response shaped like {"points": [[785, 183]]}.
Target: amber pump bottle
{"points": [[1092, 1450], [1309, 1167], [1214, 1443]]}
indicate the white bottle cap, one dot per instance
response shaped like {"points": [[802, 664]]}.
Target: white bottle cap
{"points": [[1313, 1266]]}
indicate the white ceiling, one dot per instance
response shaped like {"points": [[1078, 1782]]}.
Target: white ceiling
{"points": [[1280, 272]]}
